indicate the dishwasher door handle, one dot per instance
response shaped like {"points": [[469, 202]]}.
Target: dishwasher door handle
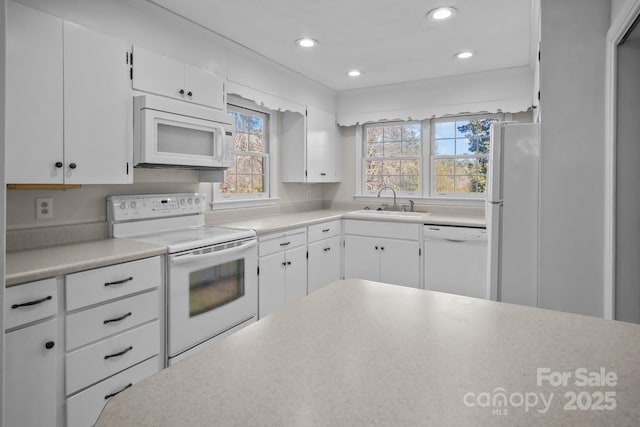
{"points": [[455, 240]]}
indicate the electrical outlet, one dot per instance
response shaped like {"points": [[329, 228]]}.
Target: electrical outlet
{"points": [[308, 194], [44, 208]]}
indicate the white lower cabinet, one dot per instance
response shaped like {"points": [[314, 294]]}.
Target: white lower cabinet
{"points": [[325, 255], [113, 334], [283, 269], [31, 360], [382, 251], [84, 407]]}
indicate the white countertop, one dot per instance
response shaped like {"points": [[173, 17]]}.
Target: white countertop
{"points": [[34, 264], [364, 353], [275, 223]]}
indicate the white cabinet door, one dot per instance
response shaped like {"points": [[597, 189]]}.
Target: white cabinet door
{"points": [[400, 262], [205, 87], [324, 263], [321, 146], [97, 107], [361, 258], [34, 96], [31, 356], [296, 274], [157, 74], [271, 283]]}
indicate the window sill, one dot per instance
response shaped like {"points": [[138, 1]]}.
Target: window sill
{"points": [[243, 203]]}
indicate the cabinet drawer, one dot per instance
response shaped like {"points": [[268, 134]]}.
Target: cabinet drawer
{"points": [[106, 283], [30, 302], [97, 323], [282, 241], [324, 230], [392, 230], [91, 364], [84, 408]]}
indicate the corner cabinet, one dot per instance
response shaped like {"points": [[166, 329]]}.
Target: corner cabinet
{"points": [[75, 113], [310, 147], [164, 76]]}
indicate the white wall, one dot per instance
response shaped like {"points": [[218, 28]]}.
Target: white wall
{"points": [[572, 74], [627, 303], [143, 23], [616, 7]]}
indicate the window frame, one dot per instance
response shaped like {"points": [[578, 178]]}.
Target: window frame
{"points": [[426, 164], [419, 157], [269, 153]]}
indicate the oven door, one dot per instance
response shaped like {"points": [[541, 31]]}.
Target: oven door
{"points": [[210, 290]]}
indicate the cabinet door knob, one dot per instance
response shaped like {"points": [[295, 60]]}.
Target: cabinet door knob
{"points": [[323, 174], [382, 248], [284, 263], [288, 262], [189, 93], [181, 91], [49, 345], [58, 165], [376, 248], [72, 166]]}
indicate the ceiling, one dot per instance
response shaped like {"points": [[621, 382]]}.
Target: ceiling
{"points": [[389, 41]]}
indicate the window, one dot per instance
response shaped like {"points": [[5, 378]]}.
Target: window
{"points": [[460, 156], [439, 158], [393, 153], [248, 178]]}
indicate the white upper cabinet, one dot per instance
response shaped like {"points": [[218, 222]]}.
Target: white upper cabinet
{"points": [[310, 149], [69, 103], [98, 108], [158, 74], [34, 96]]}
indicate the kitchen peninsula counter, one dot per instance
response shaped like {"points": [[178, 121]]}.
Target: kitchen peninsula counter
{"points": [[365, 353]]}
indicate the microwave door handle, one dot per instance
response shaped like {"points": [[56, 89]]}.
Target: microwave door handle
{"points": [[184, 259], [220, 142]]}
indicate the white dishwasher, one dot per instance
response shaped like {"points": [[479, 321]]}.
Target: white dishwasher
{"points": [[455, 260]]}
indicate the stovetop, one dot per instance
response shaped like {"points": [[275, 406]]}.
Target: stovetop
{"points": [[193, 237]]}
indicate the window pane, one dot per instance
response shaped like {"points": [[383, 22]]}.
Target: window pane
{"points": [[374, 134], [445, 147], [412, 132], [462, 128], [243, 164], [373, 167], [255, 143], [244, 184], [257, 184], [411, 148], [464, 166], [410, 183], [392, 149], [255, 124], [391, 167], [443, 166], [464, 146], [374, 183], [392, 181], [242, 141], [410, 167], [375, 149], [393, 133], [463, 184], [445, 130], [443, 184], [256, 165]]}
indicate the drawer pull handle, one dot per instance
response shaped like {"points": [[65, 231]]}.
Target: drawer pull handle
{"points": [[109, 396], [49, 345], [126, 350], [119, 282], [285, 244], [117, 319], [326, 230], [326, 249], [34, 302]]}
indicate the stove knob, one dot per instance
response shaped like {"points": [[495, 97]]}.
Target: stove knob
{"points": [[123, 205], [182, 202], [190, 200], [134, 204], [197, 200]]}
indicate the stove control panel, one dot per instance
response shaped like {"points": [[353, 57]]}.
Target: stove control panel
{"points": [[138, 207]]}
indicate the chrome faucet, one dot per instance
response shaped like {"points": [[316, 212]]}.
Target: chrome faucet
{"points": [[384, 187]]}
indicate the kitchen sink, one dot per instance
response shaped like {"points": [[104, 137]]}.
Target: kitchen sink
{"points": [[401, 214]]}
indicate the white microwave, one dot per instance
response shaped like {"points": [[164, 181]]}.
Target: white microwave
{"points": [[178, 134]]}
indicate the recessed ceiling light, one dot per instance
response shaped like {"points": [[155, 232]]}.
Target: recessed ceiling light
{"points": [[463, 55], [354, 73], [306, 42], [441, 14]]}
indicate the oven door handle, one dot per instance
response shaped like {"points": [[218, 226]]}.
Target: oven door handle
{"points": [[186, 258]]}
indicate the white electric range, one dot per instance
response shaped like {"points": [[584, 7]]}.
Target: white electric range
{"points": [[211, 274]]}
